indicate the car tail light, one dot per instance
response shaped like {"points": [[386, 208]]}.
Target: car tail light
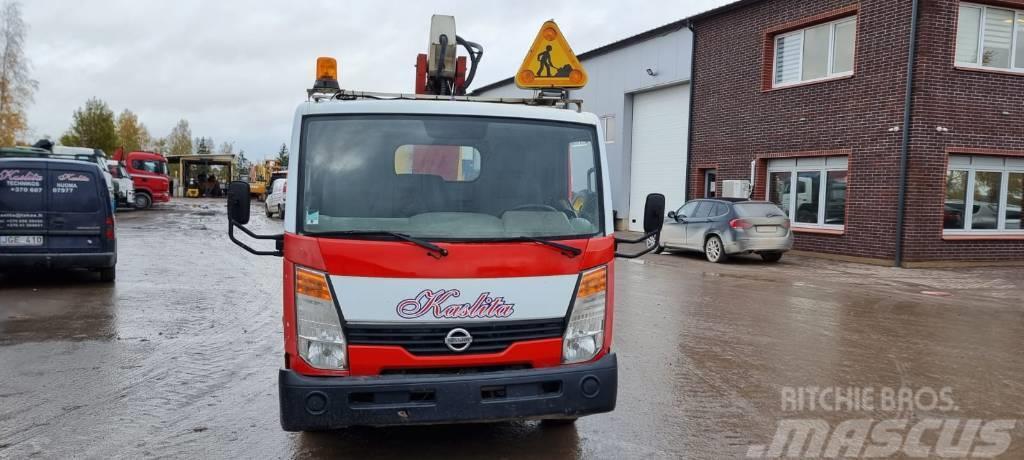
{"points": [[584, 336], [321, 342], [786, 224], [740, 224], [109, 233]]}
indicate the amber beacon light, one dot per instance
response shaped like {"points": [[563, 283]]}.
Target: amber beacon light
{"points": [[326, 73]]}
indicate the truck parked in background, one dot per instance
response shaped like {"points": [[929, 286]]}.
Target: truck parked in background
{"points": [[260, 178], [149, 174], [124, 188]]}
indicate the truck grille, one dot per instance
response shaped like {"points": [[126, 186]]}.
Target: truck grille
{"points": [[428, 339]]}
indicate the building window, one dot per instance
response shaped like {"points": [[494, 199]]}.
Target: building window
{"points": [[990, 38], [608, 126], [983, 195], [812, 191], [816, 53]]}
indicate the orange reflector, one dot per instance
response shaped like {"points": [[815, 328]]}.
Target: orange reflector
{"points": [[311, 284], [326, 68], [593, 282]]}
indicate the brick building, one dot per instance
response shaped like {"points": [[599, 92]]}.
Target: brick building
{"points": [[807, 98]]}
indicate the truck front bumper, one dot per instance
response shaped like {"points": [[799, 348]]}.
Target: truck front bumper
{"points": [[321, 403]]}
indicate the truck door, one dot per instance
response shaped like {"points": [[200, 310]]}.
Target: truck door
{"points": [[23, 207]]}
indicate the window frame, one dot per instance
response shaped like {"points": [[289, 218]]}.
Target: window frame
{"points": [[1018, 19], [830, 75], [794, 171], [972, 169]]}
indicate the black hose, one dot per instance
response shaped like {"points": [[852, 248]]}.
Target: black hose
{"points": [[476, 52]]}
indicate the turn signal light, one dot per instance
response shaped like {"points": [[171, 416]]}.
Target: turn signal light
{"points": [[593, 282], [312, 284]]}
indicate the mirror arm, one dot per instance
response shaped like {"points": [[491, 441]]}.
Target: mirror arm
{"points": [[278, 252], [638, 240]]}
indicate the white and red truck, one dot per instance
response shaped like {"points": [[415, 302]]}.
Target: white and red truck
{"points": [[445, 258]]}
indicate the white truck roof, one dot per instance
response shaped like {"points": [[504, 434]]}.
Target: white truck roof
{"points": [[486, 109]]}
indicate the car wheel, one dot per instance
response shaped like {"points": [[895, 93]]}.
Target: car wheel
{"points": [[771, 257], [714, 250], [143, 201], [266, 209], [107, 275], [660, 249]]}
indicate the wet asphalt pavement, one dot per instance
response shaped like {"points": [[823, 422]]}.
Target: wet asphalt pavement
{"points": [[179, 358]]}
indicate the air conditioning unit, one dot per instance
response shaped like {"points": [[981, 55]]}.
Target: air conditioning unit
{"points": [[735, 189]]}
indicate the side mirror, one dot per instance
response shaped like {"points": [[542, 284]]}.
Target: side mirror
{"points": [[672, 215], [654, 219], [654, 213], [238, 202]]}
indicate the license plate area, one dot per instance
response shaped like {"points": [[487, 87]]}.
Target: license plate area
{"points": [[21, 240], [766, 228]]}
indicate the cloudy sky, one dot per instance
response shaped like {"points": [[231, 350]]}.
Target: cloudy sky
{"points": [[236, 69]]}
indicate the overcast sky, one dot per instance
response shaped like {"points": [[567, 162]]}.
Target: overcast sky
{"points": [[236, 69]]}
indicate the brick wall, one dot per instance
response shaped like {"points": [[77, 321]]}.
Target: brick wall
{"points": [[971, 104], [738, 120]]}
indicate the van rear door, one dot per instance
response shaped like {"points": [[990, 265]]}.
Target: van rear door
{"points": [[78, 209], [23, 206]]}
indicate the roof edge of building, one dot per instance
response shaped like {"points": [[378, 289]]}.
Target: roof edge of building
{"points": [[638, 38]]}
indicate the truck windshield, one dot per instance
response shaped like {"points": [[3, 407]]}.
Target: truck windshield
{"points": [[449, 178]]}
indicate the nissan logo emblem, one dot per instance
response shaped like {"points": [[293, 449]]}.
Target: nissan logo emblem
{"points": [[458, 339]]}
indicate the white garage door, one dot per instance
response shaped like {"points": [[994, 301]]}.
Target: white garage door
{"points": [[658, 163]]}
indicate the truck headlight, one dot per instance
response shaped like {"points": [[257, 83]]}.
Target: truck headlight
{"points": [[584, 336], [321, 341]]}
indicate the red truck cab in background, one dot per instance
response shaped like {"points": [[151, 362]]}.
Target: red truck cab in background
{"points": [[149, 174]]}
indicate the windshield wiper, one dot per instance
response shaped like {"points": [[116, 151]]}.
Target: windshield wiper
{"points": [[437, 252], [567, 250]]}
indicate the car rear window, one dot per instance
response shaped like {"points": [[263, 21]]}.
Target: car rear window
{"points": [[21, 189], [73, 191], [758, 210]]}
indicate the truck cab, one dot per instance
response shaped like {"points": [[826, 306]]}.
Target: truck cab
{"points": [[445, 259], [149, 174]]}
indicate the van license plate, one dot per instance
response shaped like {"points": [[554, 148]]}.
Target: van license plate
{"points": [[21, 240]]}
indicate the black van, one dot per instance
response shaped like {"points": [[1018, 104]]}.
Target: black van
{"points": [[55, 214]]}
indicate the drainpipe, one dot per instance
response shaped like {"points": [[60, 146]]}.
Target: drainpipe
{"points": [[905, 148], [689, 134]]}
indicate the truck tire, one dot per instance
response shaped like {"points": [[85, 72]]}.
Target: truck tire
{"points": [[143, 201], [108, 275]]}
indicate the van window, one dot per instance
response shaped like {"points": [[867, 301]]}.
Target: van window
{"points": [[73, 191], [21, 189]]}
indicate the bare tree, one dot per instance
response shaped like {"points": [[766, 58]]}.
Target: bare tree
{"points": [[16, 85]]}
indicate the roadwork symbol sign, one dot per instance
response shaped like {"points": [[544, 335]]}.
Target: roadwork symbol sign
{"points": [[551, 62]]}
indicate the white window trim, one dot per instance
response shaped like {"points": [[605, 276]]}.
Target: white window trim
{"points": [[969, 200], [1017, 16], [830, 75], [822, 193]]}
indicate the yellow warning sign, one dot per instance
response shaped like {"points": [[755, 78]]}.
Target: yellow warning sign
{"points": [[551, 62]]}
